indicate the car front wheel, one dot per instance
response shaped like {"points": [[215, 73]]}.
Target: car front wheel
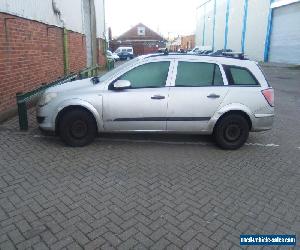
{"points": [[231, 132], [77, 128]]}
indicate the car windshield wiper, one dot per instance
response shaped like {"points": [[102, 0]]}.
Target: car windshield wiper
{"points": [[95, 80]]}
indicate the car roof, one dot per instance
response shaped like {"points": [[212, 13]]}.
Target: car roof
{"points": [[215, 59]]}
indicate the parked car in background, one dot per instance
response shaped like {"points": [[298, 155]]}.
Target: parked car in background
{"points": [[201, 50], [162, 50], [181, 50], [194, 50], [124, 55], [112, 56], [220, 52], [127, 49], [219, 96], [205, 52]]}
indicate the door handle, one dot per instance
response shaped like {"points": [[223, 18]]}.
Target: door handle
{"points": [[157, 97], [213, 96]]}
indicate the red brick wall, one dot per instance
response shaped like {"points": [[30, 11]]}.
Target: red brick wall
{"points": [[188, 42], [101, 60], [31, 53], [77, 51]]}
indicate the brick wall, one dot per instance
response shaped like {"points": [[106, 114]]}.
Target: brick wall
{"points": [[31, 53], [188, 42], [101, 60], [77, 51]]}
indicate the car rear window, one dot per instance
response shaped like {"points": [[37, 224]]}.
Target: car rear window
{"points": [[240, 76], [198, 74]]}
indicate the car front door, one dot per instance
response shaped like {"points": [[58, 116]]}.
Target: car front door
{"points": [[195, 95], [143, 106]]}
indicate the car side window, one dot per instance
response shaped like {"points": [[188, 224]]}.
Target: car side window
{"points": [[198, 74], [241, 76], [150, 75]]}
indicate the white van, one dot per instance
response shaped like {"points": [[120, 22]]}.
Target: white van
{"points": [[124, 49]]}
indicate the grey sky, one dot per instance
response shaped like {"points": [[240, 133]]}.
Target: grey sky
{"points": [[169, 17]]}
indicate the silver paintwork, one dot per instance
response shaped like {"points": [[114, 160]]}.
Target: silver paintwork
{"points": [[107, 106]]}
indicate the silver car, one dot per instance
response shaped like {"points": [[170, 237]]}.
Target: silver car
{"points": [[221, 96]]}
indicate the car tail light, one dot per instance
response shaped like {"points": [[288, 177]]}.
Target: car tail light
{"points": [[269, 95]]}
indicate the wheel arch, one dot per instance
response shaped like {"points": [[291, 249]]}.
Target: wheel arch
{"points": [[236, 112], [72, 107]]}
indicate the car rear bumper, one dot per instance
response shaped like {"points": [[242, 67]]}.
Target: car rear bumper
{"points": [[262, 122]]}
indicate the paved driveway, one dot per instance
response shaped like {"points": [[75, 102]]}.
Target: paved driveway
{"points": [[152, 192]]}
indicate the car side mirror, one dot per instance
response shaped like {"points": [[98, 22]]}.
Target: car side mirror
{"points": [[122, 84]]}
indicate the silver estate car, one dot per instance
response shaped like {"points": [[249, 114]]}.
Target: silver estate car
{"points": [[220, 96]]}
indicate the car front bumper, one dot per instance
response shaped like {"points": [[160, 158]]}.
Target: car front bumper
{"points": [[44, 118]]}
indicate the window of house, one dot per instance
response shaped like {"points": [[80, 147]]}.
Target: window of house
{"points": [[198, 74], [141, 31], [150, 75]]}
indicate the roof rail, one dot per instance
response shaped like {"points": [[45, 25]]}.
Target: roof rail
{"points": [[237, 55], [233, 55]]}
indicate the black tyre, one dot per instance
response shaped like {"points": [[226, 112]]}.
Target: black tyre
{"points": [[231, 132], [77, 128]]}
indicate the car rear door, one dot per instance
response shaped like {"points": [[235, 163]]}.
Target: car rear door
{"points": [[143, 106], [196, 92]]}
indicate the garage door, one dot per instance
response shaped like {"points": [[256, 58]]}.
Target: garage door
{"points": [[285, 37]]}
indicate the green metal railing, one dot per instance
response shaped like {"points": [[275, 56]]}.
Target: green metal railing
{"points": [[23, 99], [110, 64]]}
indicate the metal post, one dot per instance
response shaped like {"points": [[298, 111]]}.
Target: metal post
{"points": [[22, 111]]}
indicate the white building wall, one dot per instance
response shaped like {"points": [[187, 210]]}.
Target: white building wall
{"points": [[199, 27], [235, 25], [100, 18], [220, 24], [209, 18], [257, 23], [256, 26], [42, 11]]}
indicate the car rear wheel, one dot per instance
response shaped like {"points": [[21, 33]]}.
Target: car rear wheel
{"points": [[77, 128], [231, 132]]}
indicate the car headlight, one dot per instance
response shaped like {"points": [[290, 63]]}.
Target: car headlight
{"points": [[46, 98]]}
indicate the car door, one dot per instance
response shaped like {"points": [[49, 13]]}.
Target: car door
{"points": [[143, 106], [195, 95]]}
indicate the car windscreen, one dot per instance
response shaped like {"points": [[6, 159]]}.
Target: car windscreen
{"points": [[117, 69]]}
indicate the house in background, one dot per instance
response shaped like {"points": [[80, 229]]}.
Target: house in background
{"points": [[184, 43], [42, 40], [187, 42], [141, 38], [175, 44], [265, 30]]}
